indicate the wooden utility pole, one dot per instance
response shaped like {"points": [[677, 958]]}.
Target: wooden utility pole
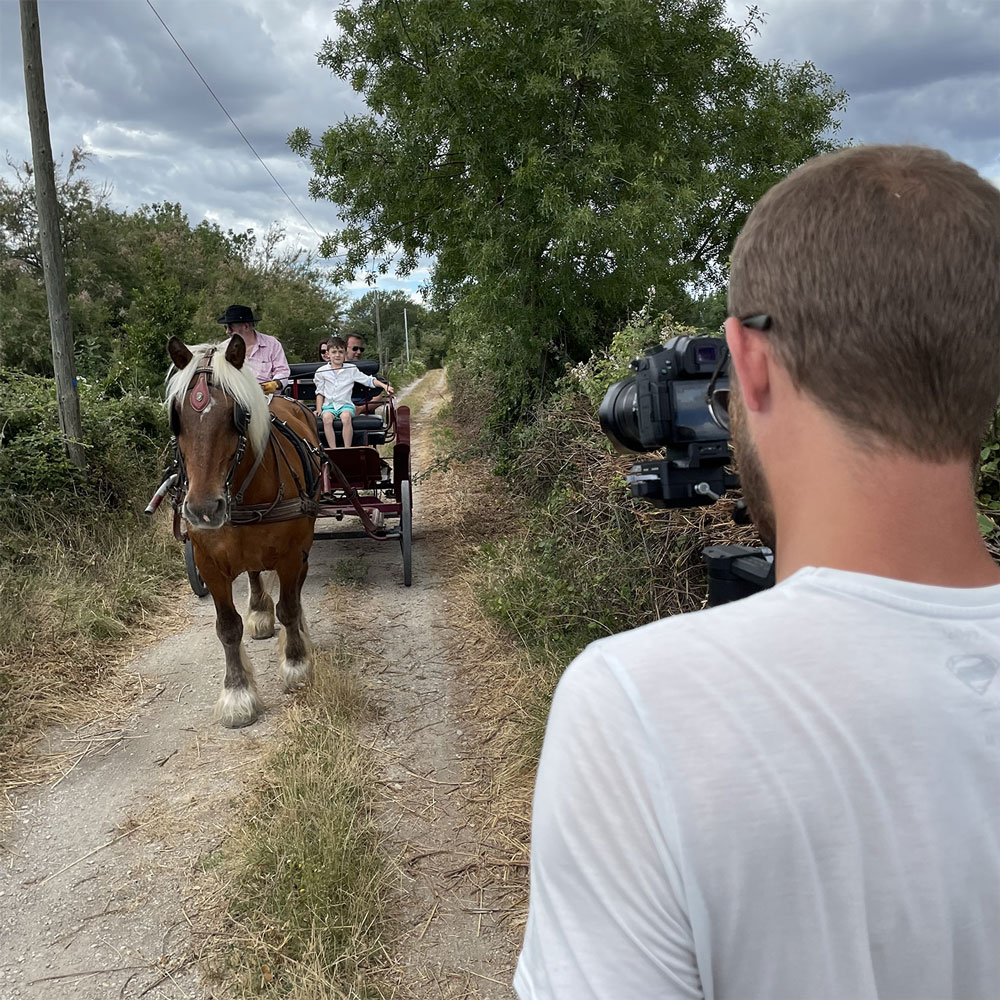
{"points": [[48, 228], [378, 336]]}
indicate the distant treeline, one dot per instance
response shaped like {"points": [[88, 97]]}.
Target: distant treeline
{"points": [[136, 278]]}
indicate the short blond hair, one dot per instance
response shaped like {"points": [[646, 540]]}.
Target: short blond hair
{"points": [[878, 266]]}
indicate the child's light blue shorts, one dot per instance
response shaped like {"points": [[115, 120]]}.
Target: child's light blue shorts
{"points": [[337, 410]]}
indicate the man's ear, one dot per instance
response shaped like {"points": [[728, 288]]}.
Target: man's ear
{"points": [[751, 361]]}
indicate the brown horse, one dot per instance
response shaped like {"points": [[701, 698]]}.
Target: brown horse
{"points": [[248, 491]]}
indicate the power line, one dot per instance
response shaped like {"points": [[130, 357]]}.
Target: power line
{"points": [[230, 117]]}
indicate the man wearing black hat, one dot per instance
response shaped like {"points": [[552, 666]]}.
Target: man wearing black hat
{"points": [[265, 354]]}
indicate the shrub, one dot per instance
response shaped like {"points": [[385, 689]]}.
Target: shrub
{"points": [[123, 440], [79, 569], [592, 561], [988, 492], [401, 373]]}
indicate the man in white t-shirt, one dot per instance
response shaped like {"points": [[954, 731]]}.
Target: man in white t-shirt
{"points": [[796, 796]]}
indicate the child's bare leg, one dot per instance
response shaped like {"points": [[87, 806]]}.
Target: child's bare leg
{"points": [[346, 428], [331, 434]]}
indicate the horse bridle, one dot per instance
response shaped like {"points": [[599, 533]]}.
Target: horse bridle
{"points": [[199, 396], [202, 381]]}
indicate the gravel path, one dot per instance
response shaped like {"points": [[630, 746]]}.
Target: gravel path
{"points": [[101, 871]]}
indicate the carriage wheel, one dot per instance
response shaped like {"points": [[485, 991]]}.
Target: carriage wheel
{"points": [[194, 577], [406, 529]]}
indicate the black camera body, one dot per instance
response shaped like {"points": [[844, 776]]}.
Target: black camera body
{"points": [[665, 405]]}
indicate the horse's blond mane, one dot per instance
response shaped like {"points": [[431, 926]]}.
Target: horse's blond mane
{"points": [[240, 383]]}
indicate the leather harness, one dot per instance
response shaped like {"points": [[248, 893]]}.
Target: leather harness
{"points": [[281, 508]]}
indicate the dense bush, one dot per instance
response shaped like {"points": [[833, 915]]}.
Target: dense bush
{"points": [[401, 373], [124, 439], [989, 483], [592, 561], [80, 568]]}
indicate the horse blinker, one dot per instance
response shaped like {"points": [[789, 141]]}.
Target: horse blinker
{"points": [[241, 418]]}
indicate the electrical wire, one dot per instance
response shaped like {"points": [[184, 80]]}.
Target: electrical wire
{"points": [[230, 117]]}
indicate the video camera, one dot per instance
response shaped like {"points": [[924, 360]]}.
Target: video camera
{"points": [[669, 404]]}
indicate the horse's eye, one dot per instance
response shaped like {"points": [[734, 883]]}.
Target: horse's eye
{"points": [[175, 420]]}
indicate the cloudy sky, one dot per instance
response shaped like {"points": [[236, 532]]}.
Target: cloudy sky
{"points": [[924, 71]]}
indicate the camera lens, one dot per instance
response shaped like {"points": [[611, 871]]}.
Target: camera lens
{"points": [[619, 416]]}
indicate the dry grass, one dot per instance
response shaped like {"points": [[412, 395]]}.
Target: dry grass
{"points": [[508, 693], [306, 880], [501, 682], [70, 599]]}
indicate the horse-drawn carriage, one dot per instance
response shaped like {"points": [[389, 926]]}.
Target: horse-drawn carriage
{"points": [[249, 483], [361, 480]]}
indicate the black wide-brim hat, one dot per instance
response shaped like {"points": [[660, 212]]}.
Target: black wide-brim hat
{"points": [[238, 314]]}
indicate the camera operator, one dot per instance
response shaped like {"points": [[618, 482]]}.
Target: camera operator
{"points": [[797, 794]]}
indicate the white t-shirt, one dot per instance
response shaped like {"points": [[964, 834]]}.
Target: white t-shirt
{"points": [[336, 385], [795, 796]]}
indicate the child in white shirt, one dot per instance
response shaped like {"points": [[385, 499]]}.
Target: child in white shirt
{"points": [[334, 386]]}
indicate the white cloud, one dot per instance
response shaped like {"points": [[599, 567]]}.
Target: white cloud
{"points": [[918, 70]]}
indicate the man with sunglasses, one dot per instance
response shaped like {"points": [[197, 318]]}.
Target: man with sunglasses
{"points": [[797, 795], [265, 355], [365, 400]]}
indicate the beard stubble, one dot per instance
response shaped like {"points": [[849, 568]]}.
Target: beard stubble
{"points": [[756, 494]]}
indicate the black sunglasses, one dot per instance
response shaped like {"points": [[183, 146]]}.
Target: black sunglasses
{"points": [[718, 399]]}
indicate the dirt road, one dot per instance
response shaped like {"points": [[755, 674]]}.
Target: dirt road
{"points": [[101, 871]]}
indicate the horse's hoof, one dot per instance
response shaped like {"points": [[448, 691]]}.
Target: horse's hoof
{"points": [[260, 625], [295, 674], [238, 707]]}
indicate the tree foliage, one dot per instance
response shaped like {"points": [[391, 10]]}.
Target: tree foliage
{"points": [[426, 329], [136, 278], [556, 160]]}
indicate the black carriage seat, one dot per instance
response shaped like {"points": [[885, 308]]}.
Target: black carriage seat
{"points": [[369, 428]]}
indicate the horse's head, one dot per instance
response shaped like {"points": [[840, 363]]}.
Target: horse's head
{"points": [[216, 406]]}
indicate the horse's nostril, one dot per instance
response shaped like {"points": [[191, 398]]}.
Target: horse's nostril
{"points": [[209, 512]]}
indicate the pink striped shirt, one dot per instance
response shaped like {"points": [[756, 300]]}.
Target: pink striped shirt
{"points": [[267, 359]]}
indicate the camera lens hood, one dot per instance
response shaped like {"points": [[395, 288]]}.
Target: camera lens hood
{"points": [[619, 416]]}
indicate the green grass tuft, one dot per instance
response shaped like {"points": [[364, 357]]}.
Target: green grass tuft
{"points": [[350, 572], [308, 877]]}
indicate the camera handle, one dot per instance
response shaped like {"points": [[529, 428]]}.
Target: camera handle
{"points": [[736, 571]]}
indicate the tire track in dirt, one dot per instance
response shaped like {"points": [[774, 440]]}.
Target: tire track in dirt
{"points": [[101, 874]]}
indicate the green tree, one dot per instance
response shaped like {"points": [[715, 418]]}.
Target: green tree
{"points": [[24, 328], [135, 278], [160, 310], [293, 298], [555, 160], [423, 326]]}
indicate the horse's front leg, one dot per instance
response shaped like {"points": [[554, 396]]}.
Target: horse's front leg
{"points": [[294, 645], [239, 704], [260, 612]]}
